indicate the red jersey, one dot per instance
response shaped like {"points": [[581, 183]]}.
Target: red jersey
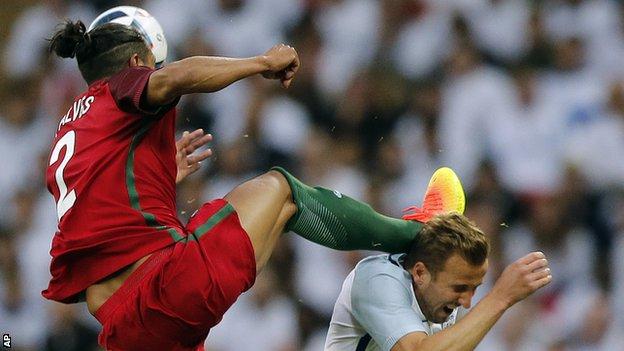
{"points": [[112, 172]]}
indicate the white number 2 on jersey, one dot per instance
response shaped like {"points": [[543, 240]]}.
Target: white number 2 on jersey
{"points": [[66, 201]]}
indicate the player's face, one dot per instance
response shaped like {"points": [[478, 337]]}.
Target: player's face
{"points": [[450, 288]]}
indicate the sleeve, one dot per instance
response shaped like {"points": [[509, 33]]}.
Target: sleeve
{"points": [[382, 304], [128, 89]]}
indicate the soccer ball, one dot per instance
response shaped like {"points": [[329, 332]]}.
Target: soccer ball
{"points": [[143, 22]]}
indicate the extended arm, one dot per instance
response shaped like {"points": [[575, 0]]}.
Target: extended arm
{"points": [[465, 335], [205, 74], [519, 280]]}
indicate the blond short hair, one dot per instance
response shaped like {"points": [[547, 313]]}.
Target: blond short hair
{"points": [[445, 235]]}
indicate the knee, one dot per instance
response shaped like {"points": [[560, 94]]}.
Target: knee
{"points": [[275, 181]]}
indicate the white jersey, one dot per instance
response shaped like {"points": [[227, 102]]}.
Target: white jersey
{"points": [[377, 307]]}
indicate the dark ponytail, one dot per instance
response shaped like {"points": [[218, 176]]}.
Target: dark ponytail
{"points": [[68, 40], [101, 52]]}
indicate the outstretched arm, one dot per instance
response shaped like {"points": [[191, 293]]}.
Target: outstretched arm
{"points": [[205, 74], [518, 280]]}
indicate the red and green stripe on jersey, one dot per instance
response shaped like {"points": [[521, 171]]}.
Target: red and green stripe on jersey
{"points": [[117, 158]]}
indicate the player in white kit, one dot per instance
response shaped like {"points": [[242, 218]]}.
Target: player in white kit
{"points": [[421, 300]]}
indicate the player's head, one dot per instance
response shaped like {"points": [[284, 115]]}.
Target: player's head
{"points": [[447, 260], [103, 51]]}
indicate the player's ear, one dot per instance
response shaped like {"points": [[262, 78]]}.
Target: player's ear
{"points": [[420, 274], [135, 61]]}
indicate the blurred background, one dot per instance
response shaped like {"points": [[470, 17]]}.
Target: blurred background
{"points": [[524, 99]]}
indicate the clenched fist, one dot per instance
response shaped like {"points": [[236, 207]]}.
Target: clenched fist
{"points": [[282, 63]]}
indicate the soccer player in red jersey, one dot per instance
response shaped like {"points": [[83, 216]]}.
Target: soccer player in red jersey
{"points": [[153, 282]]}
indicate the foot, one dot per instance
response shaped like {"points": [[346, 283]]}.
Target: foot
{"points": [[444, 194]]}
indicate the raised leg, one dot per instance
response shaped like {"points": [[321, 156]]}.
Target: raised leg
{"points": [[264, 206]]}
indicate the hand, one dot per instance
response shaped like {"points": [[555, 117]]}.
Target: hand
{"points": [[283, 62], [522, 278], [185, 159]]}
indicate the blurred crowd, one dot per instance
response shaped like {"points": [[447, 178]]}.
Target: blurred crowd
{"points": [[524, 99]]}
